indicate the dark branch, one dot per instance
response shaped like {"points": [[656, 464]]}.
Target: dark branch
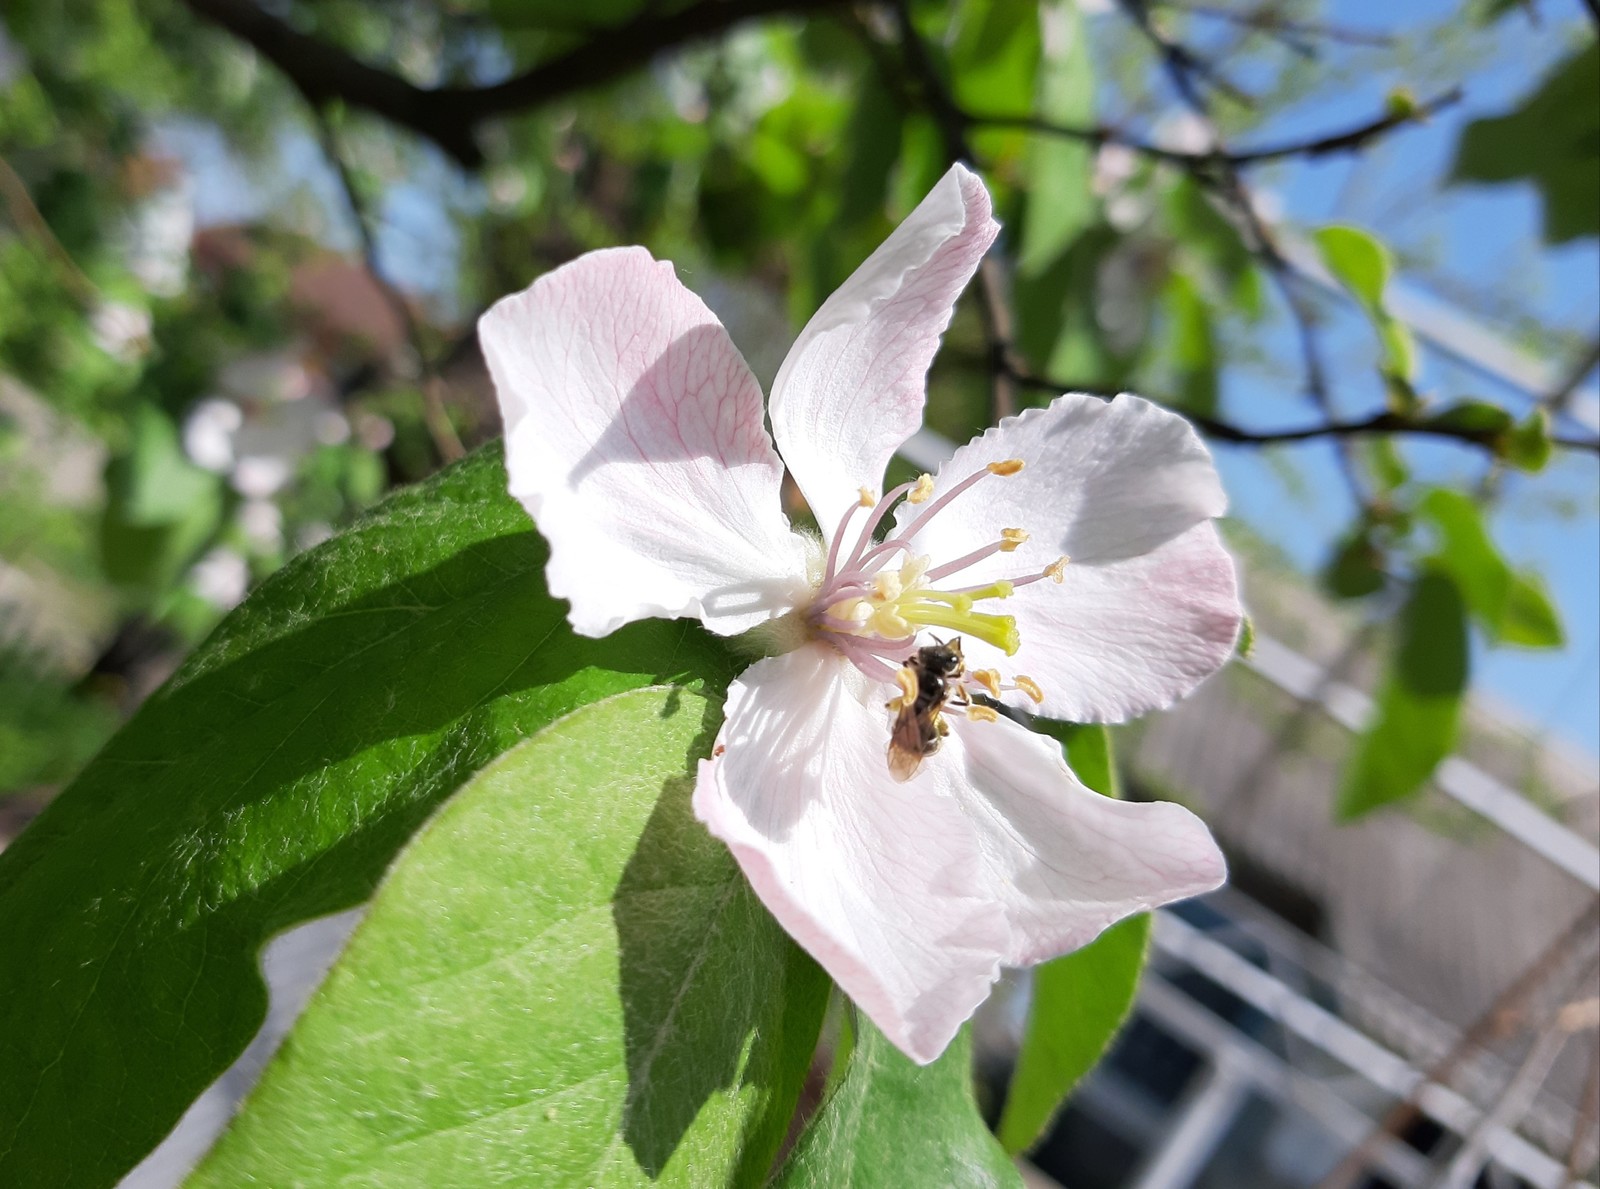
{"points": [[1349, 141], [450, 116], [1378, 423]]}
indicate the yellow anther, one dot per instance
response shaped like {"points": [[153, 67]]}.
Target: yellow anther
{"points": [[867, 499], [989, 679], [1010, 538], [887, 586], [921, 489], [982, 714], [1056, 571], [907, 681], [1009, 466], [1029, 686]]}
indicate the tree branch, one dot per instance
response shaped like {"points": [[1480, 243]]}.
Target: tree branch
{"points": [[1378, 423], [1348, 141], [450, 116]]}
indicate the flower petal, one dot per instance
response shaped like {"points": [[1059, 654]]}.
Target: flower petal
{"points": [[879, 880], [1148, 606], [1063, 860], [1102, 481], [1114, 641], [851, 390], [634, 438]]}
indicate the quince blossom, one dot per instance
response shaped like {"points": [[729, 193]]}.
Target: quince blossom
{"points": [[1071, 549]]}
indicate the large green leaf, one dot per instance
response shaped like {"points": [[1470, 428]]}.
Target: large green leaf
{"points": [[272, 780], [890, 1121], [1552, 140], [1079, 1001], [564, 980], [1419, 706]]}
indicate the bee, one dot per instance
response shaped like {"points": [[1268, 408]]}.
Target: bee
{"points": [[919, 727]]}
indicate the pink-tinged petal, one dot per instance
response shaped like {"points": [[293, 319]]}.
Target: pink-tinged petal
{"points": [[634, 438], [1064, 861], [879, 880], [1101, 481], [1117, 639], [851, 390]]}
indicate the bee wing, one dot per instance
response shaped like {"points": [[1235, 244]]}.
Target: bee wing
{"points": [[905, 745]]}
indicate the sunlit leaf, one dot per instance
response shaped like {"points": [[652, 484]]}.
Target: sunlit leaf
{"points": [[563, 973], [272, 780], [1510, 608], [890, 1121], [1363, 266]]}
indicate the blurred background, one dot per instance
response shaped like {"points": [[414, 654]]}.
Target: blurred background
{"points": [[243, 246]]}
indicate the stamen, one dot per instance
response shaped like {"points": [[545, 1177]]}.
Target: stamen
{"points": [[877, 515], [867, 499], [1010, 538], [921, 489], [970, 559], [1029, 686], [1008, 466], [982, 714], [1056, 571], [989, 679]]}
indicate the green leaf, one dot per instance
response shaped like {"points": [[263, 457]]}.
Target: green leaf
{"points": [[1510, 608], [272, 780], [893, 1122], [1419, 706], [1528, 618], [1471, 416], [1079, 1001], [1359, 262], [1527, 446], [1363, 266], [1060, 204], [995, 55], [563, 971], [1552, 140], [1356, 568]]}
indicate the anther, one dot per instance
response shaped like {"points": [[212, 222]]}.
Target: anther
{"points": [[1009, 466], [1028, 686], [921, 490], [1056, 571], [982, 714], [1010, 538], [867, 498], [989, 679]]}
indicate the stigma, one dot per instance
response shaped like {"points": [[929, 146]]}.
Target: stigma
{"points": [[875, 596]]}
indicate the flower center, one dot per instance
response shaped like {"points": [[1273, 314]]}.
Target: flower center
{"points": [[874, 597]]}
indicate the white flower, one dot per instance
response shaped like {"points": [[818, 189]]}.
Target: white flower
{"points": [[635, 439]]}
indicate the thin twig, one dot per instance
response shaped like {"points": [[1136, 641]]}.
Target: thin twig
{"points": [[1588, 1116], [435, 414], [1349, 141]]}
